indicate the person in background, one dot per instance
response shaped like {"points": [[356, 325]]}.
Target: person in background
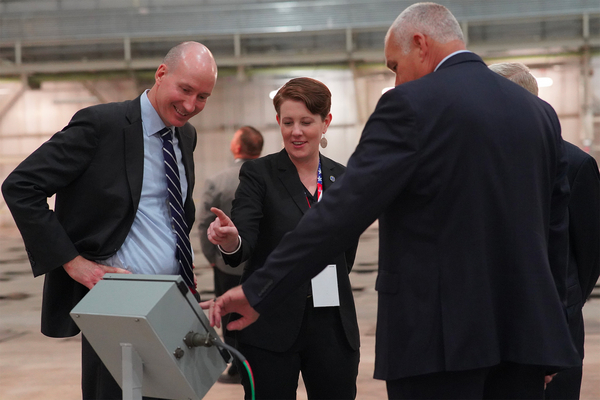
{"points": [[314, 331], [123, 175], [584, 239], [219, 191], [467, 175]]}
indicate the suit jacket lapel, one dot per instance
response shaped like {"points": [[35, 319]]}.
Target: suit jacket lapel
{"points": [[329, 172], [288, 175], [134, 150]]}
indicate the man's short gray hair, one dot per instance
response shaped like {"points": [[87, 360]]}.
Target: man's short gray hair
{"points": [[431, 19], [518, 73]]}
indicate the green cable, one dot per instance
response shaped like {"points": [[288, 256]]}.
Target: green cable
{"points": [[251, 376], [242, 359]]}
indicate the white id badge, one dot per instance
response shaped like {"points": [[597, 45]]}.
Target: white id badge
{"points": [[325, 288]]}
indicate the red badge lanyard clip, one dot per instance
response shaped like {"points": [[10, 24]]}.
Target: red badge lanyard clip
{"points": [[319, 185]]}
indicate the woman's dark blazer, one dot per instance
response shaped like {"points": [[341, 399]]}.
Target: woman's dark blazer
{"points": [[269, 202]]}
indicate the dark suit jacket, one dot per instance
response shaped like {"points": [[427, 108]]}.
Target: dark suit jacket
{"points": [[465, 171], [584, 236], [269, 202], [95, 167]]}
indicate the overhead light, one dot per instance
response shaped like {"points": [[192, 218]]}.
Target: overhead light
{"points": [[544, 81], [273, 93], [386, 89]]}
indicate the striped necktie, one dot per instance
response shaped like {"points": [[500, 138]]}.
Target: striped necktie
{"points": [[184, 252]]}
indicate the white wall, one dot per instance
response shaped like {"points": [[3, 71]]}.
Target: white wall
{"points": [[563, 95]]}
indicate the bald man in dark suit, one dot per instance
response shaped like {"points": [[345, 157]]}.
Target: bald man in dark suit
{"points": [[111, 213]]}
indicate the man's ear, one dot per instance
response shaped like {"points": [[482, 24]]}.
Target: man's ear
{"points": [[422, 44], [161, 71], [238, 148]]}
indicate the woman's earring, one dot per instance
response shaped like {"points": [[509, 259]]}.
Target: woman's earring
{"points": [[323, 141]]}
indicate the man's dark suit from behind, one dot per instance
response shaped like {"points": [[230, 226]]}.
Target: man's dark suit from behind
{"points": [[584, 259]]}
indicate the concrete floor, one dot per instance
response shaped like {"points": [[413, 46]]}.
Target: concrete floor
{"points": [[33, 366]]}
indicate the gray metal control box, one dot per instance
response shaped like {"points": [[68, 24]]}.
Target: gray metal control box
{"points": [[152, 313]]}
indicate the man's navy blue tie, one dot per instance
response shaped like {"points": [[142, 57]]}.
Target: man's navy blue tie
{"points": [[184, 252]]}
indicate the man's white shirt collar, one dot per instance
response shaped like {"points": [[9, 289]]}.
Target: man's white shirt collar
{"points": [[450, 55]]}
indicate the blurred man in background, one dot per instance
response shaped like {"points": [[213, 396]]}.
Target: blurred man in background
{"points": [[584, 239], [219, 191]]}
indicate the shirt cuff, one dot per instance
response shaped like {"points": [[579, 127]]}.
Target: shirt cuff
{"points": [[227, 253]]}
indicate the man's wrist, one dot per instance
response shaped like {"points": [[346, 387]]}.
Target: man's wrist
{"points": [[71, 263], [228, 253]]}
